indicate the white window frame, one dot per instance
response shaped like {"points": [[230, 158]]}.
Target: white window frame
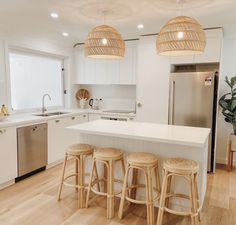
{"points": [[26, 51]]}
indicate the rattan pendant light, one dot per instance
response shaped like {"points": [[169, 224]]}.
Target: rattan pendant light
{"points": [[104, 42], [181, 35]]}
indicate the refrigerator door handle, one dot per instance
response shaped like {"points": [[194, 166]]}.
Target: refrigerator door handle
{"points": [[172, 103]]}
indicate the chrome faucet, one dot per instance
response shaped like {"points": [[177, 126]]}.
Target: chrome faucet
{"points": [[43, 103]]}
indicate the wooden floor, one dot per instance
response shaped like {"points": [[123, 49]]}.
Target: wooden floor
{"points": [[33, 202]]}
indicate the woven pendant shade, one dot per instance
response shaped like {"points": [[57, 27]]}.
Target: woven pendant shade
{"points": [[182, 35], [104, 42]]}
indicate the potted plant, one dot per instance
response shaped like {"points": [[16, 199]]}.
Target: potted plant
{"points": [[228, 104]]}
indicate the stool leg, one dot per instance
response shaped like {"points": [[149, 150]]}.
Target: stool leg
{"points": [[62, 178], [124, 171], [157, 178], [90, 183], [81, 182], [134, 182], [110, 191], [149, 196], [123, 194], [229, 155], [169, 181], [77, 173], [105, 178], [163, 198], [193, 199], [96, 177], [232, 159], [197, 195]]}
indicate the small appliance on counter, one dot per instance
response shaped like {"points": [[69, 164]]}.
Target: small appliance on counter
{"points": [[95, 103], [82, 95], [4, 113]]}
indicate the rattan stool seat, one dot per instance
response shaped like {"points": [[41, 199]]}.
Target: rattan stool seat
{"points": [[79, 149], [142, 159], [181, 165], [108, 153]]}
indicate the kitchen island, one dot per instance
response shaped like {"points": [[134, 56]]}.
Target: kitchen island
{"points": [[163, 140]]}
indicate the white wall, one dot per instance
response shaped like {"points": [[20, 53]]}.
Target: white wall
{"points": [[228, 68], [40, 46]]}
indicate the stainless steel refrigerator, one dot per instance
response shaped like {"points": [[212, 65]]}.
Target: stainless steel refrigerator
{"points": [[192, 102]]}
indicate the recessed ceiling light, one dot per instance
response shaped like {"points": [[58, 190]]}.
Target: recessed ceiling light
{"points": [[54, 15], [140, 26], [65, 34]]}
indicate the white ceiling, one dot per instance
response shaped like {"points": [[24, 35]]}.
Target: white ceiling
{"points": [[31, 18]]}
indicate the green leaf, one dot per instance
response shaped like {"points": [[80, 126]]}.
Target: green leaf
{"points": [[227, 81], [233, 105], [233, 81]]}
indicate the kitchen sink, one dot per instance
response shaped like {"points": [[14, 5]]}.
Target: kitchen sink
{"points": [[51, 114]]}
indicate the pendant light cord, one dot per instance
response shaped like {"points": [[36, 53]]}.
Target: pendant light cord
{"points": [[181, 4], [104, 12]]}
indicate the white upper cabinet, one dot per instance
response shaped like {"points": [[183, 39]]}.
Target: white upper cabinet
{"points": [[128, 64], [106, 71], [152, 83], [212, 51]]}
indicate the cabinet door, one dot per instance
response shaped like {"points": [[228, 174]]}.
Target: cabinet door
{"points": [[93, 116], [152, 83], [79, 65], [127, 66], [107, 71], [112, 71], [8, 154], [89, 70], [56, 140], [60, 138], [84, 67], [101, 74], [212, 51]]}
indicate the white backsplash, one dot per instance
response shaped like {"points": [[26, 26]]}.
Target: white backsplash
{"points": [[120, 97]]}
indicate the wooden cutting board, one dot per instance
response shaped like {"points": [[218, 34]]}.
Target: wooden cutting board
{"points": [[82, 94]]}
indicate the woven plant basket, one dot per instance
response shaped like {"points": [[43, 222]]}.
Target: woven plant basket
{"points": [[112, 48], [181, 35]]}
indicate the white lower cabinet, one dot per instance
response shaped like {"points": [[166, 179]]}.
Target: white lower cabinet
{"points": [[59, 138], [94, 116], [8, 154]]}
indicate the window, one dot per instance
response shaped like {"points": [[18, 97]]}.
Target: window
{"points": [[32, 76]]}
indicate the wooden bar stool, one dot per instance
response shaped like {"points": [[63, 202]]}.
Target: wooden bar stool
{"points": [[77, 152], [230, 155], [148, 164], [188, 169], [107, 156]]}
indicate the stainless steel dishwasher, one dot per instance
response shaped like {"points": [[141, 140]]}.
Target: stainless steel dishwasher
{"points": [[32, 149]]}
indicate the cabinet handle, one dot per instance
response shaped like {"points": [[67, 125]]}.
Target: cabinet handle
{"points": [[73, 118], [139, 104], [3, 131], [57, 121], [84, 115]]}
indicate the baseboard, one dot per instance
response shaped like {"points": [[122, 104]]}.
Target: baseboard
{"points": [[7, 184], [54, 164], [224, 161]]}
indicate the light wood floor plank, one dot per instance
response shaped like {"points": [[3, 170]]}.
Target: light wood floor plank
{"points": [[33, 202]]}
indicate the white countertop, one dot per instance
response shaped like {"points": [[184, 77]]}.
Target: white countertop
{"points": [[190, 136], [31, 118]]}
